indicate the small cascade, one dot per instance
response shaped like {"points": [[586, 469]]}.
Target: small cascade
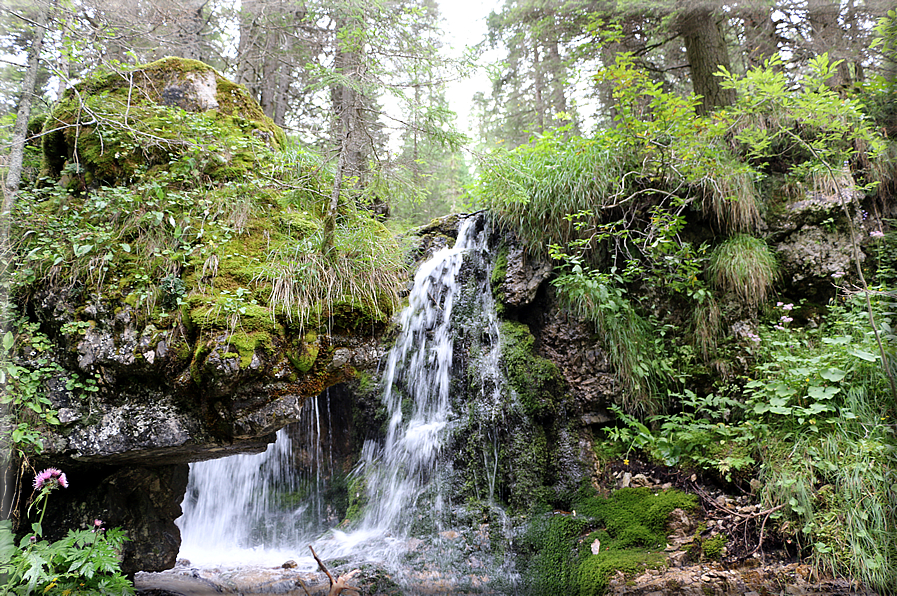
{"points": [[447, 351], [249, 508], [416, 391]]}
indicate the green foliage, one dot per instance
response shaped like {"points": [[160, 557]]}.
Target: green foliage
{"points": [[83, 562], [26, 371], [534, 188], [709, 433], [636, 350], [744, 266], [229, 255]]}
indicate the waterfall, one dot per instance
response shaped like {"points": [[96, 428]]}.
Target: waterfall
{"points": [[254, 508], [450, 307], [416, 381]]}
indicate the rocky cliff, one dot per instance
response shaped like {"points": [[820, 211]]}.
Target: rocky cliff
{"points": [[171, 301]]}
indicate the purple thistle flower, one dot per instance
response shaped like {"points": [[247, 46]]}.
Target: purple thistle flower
{"points": [[49, 475]]}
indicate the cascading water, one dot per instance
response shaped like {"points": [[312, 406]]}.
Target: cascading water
{"points": [[417, 382], [252, 508], [402, 475]]}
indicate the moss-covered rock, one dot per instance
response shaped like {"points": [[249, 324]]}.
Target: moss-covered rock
{"points": [[174, 114], [578, 552], [536, 380], [181, 237]]}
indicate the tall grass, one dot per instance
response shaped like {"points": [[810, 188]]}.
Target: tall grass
{"points": [[840, 493], [630, 340], [364, 271], [733, 200], [744, 266], [536, 190]]}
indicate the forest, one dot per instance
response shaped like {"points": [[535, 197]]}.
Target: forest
{"points": [[711, 185]]}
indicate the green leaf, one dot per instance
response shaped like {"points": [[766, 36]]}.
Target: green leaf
{"points": [[125, 247], [83, 249], [823, 392], [833, 374], [8, 340], [864, 355]]}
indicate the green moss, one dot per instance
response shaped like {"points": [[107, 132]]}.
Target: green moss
{"points": [[550, 556], [245, 345], [632, 507], [537, 381], [303, 356], [596, 570], [713, 547], [499, 272], [630, 525]]}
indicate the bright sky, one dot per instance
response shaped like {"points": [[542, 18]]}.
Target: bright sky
{"points": [[464, 23]]}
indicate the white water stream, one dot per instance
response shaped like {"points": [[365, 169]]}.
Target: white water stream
{"points": [[231, 513]]}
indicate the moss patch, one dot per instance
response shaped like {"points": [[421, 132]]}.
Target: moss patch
{"points": [[537, 381], [630, 525]]}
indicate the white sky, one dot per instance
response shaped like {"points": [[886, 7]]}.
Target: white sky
{"points": [[464, 23]]}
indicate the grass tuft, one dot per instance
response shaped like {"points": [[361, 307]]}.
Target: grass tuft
{"points": [[745, 266]]}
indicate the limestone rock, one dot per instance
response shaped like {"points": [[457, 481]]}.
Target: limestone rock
{"points": [[523, 277]]}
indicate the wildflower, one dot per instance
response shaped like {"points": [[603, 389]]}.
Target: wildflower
{"points": [[877, 234], [786, 319], [838, 274], [48, 476], [779, 304], [98, 526], [625, 462], [789, 306]]}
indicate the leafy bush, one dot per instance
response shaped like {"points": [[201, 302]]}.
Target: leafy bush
{"points": [[83, 562]]}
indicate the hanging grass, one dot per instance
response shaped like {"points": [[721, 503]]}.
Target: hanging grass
{"points": [[363, 273], [744, 266], [733, 200], [707, 325], [535, 190]]}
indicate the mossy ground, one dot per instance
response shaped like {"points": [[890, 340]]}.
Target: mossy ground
{"points": [[630, 525]]}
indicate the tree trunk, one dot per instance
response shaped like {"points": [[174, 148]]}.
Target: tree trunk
{"points": [[190, 26], [23, 114], [828, 37], [538, 86], [760, 36], [706, 51]]}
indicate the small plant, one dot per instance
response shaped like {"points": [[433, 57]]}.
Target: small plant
{"points": [[84, 562], [744, 266]]}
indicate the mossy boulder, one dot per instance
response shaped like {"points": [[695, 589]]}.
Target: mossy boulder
{"points": [[173, 252], [174, 114]]}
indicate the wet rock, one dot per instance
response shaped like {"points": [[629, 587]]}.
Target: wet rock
{"points": [[524, 275], [144, 501]]}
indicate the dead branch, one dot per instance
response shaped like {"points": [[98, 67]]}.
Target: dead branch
{"points": [[338, 585]]}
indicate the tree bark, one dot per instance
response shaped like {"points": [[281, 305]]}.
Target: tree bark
{"points": [[760, 35], [828, 37], [23, 113], [706, 51]]}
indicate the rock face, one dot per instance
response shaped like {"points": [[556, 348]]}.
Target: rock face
{"points": [[176, 325]]}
